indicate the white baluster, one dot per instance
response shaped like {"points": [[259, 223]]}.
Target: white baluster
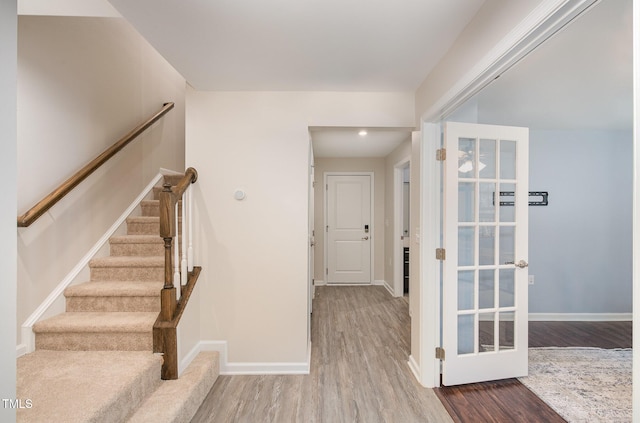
{"points": [[183, 263], [176, 261], [190, 226]]}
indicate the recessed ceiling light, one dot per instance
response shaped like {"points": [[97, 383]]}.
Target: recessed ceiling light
{"points": [[362, 133]]}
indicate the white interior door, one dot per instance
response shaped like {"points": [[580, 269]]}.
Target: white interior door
{"points": [[349, 230], [485, 309]]}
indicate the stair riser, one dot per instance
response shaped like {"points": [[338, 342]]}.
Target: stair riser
{"points": [[87, 341], [142, 249], [142, 274], [143, 304], [153, 209], [143, 228]]}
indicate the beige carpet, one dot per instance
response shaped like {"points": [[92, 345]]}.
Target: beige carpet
{"points": [[94, 363], [583, 384], [85, 386]]}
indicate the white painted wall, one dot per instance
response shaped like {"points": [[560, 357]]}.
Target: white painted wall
{"points": [[400, 153], [375, 165], [254, 252], [82, 84], [580, 245], [8, 170]]}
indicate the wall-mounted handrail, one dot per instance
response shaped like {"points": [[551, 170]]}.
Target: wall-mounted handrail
{"points": [[56, 195]]}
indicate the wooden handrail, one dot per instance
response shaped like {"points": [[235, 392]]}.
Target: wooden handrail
{"points": [[56, 195]]}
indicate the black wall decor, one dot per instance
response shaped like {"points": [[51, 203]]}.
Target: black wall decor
{"points": [[544, 201]]}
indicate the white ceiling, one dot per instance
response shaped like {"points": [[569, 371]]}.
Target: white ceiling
{"points": [[293, 45], [579, 79], [346, 142]]}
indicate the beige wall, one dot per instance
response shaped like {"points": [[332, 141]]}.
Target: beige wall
{"points": [[82, 84], [254, 252], [8, 171], [492, 23], [402, 152], [375, 165]]}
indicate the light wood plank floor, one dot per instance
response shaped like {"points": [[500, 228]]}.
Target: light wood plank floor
{"points": [[359, 372]]}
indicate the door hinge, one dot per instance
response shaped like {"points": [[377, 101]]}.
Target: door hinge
{"points": [[441, 254], [327, 228], [439, 353], [441, 154], [326, 271]]}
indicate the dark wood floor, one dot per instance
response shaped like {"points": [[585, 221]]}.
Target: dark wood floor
{"points": [[510, 401]]}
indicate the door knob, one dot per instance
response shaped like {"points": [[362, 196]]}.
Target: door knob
{"points": [[522, 264], [365, 238]]}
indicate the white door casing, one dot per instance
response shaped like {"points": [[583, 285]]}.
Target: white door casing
{"points": [[485, 310], [349, 228]]}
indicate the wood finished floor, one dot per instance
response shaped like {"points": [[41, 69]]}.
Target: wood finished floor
{"points": [[509, 400], [360, 342], [359, 371]]}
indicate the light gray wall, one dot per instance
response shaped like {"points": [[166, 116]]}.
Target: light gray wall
{"points": [[8, 169], [580, 244]]}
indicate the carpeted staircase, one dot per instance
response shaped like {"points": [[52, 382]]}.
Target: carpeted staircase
{"points": [[94, 363]]}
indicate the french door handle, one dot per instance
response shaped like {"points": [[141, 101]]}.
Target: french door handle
{"points": [[521, 264], [364, 238]]}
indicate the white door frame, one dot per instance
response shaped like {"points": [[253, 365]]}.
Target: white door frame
{"points": [[371, 225], [398, 209], [544, 21]]}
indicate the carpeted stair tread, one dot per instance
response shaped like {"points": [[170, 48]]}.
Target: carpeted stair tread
{"points": [[85, 386], [177, 401], [93, 322], [114, 288], [127, 261]]}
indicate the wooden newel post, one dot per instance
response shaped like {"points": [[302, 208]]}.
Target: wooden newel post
{"points": [[167, 232]]}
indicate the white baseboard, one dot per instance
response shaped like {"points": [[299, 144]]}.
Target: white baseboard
{"points": [[21, 350], [580, 317], [415, 369], [319, 283], [231, 368], [387, 286]]}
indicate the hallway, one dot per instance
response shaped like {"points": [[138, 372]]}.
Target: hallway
{"points": [[359, 372]]}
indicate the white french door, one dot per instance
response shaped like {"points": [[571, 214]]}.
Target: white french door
{"points": [[348, 230], [485, 309]]}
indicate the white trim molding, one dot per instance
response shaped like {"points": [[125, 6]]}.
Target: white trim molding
{"points": [[580, 317], [415, 369], [549, 17], [248, 368]]}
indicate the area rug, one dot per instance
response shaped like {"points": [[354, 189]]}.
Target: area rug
{"points": [[583, 384]]}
